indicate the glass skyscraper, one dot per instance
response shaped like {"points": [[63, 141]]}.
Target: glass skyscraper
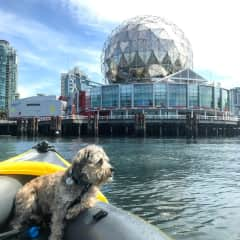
{"points": [[8, 76]]}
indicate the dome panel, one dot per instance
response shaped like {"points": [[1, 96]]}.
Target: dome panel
{"points": [[145, 46]]}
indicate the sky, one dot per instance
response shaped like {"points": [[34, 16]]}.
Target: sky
{"points": [[53, 36]]}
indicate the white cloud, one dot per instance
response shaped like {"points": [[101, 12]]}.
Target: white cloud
{"points": [[79, 50], [47, 87], [44, 39], [211, 26], [39, 35], [90, 67], [46, 48], [33, 59]]}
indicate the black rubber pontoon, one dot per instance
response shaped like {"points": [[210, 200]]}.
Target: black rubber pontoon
{"points": [[102, 222]]}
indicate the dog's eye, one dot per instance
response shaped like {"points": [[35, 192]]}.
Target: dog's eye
{"points": [[100, 162]]}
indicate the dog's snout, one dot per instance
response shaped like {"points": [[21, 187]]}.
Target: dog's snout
{"points": [[112, 169]]}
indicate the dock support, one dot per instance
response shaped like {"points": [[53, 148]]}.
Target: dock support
{"points": [[206, 131], [191, 125], [177, 131], [140, 125], [160, 131], [79, 130], [55, 126]]}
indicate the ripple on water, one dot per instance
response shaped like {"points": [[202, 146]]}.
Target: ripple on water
{"points": [[191, 191]]}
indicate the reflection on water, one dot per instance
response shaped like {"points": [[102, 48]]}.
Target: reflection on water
{"points": [[190, 190]]}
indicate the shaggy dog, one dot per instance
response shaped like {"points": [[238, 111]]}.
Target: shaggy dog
{"points": [[63, 195]]}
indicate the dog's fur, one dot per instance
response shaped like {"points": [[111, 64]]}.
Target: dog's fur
{"points": [[52, 196]]}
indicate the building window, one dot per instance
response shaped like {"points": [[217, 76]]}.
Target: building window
{"points": [[206, 96], [225, 100], [193, 95], [33, 104], [217, 98], [160, 91], [126, 95], [143, 95], [110, 96], [177, 95], [95, 94]]}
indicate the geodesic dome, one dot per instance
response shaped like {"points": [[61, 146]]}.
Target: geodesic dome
{"points": [[144, 48]]}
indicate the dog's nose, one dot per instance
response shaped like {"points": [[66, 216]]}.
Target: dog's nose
{"points": [[112, 169]]}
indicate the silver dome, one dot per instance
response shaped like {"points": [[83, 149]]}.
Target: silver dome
{"points": [[144, 48]]}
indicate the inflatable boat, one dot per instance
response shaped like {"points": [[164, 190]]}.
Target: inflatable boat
{"points": [[102, 222]]}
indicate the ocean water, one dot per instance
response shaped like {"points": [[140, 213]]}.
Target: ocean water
{"points": [[189, 189]]}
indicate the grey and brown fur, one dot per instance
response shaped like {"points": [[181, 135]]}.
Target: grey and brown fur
{"points": [[51, 196]]}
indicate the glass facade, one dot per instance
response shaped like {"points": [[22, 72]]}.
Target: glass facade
{"points": [[8, 75], [193, 96], [110, 96], [217, 98], [3, 64], [234, 97], [206, 96], [95, 94], [145, 47], [177, 95], [225, 100], [143, 95], [160, 95], [126, 95]]}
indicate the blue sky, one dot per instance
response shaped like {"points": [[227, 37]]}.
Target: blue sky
{"points": [[53, 36], [50, 40]]}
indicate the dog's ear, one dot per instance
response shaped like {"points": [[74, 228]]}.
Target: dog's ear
{"points": [[100, 162], [79, 161], [82, 155]]}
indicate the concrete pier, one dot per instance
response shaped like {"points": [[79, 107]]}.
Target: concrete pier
{"points": [[139, 125]]}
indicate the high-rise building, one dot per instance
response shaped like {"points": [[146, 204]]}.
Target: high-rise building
{"points": [[75, 84], [8, 76], [73, 80]]}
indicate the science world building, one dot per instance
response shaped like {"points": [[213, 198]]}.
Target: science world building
{"points": [[148, 67], [151, 87]]}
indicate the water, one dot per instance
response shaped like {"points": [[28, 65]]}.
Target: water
{"points": [[189, 190]]}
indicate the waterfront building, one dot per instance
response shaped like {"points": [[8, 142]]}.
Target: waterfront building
{"points": [[148, 66], [235, 101], [8, 76], [37, 107]]}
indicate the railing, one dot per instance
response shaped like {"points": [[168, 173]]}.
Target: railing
{"points": [[77, 117], [133, 117], [130, 117], [218, 118], [71, 117], [6, 121], [162, 117], [117, 117], [169, 117]]}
